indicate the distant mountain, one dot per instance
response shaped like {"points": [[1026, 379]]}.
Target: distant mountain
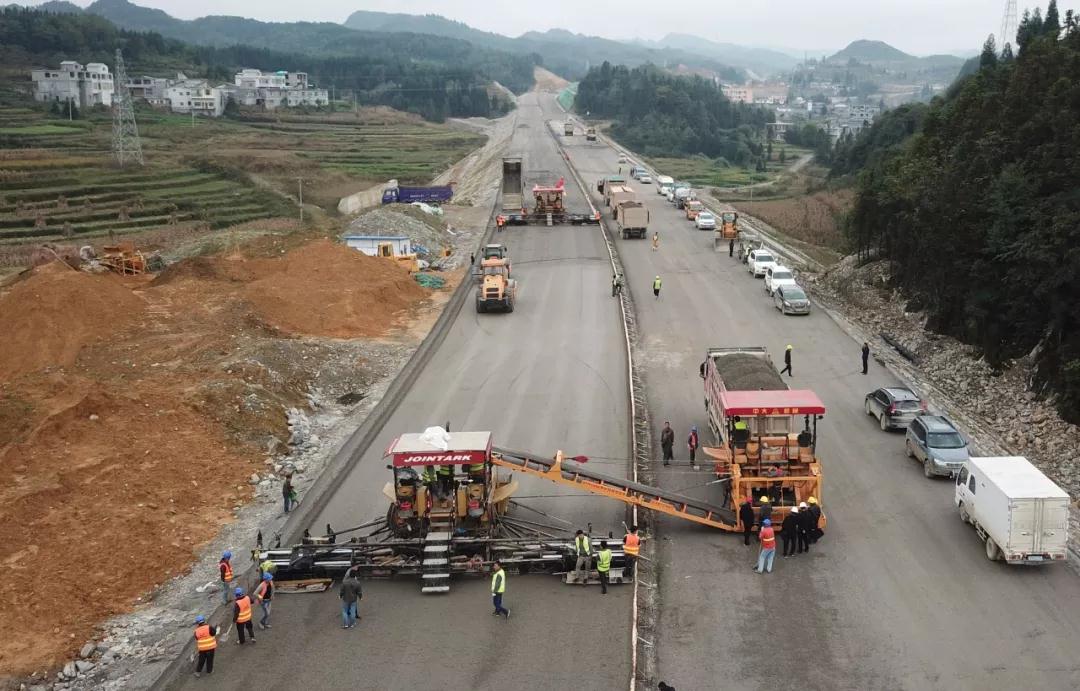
{"points": [[870, 52], [59, 7], [567, 54], [762, 61]]}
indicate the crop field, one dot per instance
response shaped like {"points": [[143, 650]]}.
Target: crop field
{"points": [[813, 218], [705, 172], [58, 181]]}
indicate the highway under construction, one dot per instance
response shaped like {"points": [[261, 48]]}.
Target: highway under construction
{"points": [[889, 598]]}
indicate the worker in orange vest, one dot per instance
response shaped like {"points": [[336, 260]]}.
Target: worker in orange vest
{"points": [[225, 567], [631, 549], [768, 547], [205, 644], [500, 221], [264, 594], [242, 616]]}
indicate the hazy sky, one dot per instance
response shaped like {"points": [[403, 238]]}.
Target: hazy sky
{"points": [[916, 26]]}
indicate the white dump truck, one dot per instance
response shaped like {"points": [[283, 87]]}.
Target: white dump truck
{"points": [[1021, 515]]}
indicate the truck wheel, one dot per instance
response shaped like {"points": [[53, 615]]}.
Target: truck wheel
{"points": [[993, 553], [928, 468], [964, 515], [510, 306], [907, 450], [480, 307]]}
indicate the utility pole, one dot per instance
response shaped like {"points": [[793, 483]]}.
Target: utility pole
{"points": [[69, 110], [301, 182]]}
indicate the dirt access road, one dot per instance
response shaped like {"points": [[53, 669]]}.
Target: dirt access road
{"points": [[899, 594], [550, 375]]}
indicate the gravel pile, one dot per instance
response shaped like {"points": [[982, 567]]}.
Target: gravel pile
{"points": [[745, 372]]}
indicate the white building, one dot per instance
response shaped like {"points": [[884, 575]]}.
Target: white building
{"points": [[257, 79], [863, 113], [271, 90], [305, 97], [737, 93], [86, 86], [150, 89], [196, 96]]}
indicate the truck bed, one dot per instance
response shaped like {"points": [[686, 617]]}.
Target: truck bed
{"points": [[746, 369]]}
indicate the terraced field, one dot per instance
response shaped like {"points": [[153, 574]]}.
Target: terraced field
{"points": [[57, 180]]}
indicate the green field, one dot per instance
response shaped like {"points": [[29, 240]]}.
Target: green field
{"points": [[704, 172], [58, 180]]}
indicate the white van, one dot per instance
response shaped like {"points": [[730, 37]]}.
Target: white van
{"points": [[662, 182], [1021, 515]]}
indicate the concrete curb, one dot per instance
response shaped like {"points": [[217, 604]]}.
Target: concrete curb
{"points": [[348, 456]]}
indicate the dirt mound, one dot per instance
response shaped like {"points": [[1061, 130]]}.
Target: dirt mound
{"points": [[51, 315], [548, 81], [326, 289], [91, 507]]}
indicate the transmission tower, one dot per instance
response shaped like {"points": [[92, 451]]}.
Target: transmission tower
{"points": [[1009, 25], [125, 144]]}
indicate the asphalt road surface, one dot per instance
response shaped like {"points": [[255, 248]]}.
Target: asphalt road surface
{"points": [[899, 593], [550, 375]]}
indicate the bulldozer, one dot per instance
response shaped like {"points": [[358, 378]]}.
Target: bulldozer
{"points": [[405, 261], [497, 291]]}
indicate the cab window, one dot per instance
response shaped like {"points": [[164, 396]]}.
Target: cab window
{"points": [[971, 484], [962, 478]]}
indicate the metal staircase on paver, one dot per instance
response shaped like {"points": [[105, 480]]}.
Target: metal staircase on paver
{"points": [[436, 558]]}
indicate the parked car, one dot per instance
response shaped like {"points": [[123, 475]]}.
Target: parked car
{"points": [[637, 172], [622, 158], [933, 441], [791, 299], [894, 406], [705, 221], [664, 183], [759, 261], [777, 276], [644, 179]]}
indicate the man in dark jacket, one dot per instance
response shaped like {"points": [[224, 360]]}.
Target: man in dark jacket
{"points": [[865, 356], [815, 520], [746, 516], [350, 593], [805, 527], [790, 531], [787, 361], [667, 442]]}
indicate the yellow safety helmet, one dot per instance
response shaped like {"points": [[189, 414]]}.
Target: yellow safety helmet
{"points": [[764, 500], [789, 346], [811, 500]]}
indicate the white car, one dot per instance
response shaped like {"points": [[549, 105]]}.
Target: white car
{"points": [[759, 262], [776, 276], [705, 221], [645, 179]]}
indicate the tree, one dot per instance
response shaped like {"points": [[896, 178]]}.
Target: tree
{"points": [[768, 151], [988, 57], [1051, 24]]}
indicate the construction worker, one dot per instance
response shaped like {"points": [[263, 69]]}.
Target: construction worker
{"points": [[741, 433], [667, 442], [789, 531], [766, 509], [616, 284], [656, 287], [865, 356], [266, 567], [446, 478], [747, 518], [631, 549], [430, 477], [226, 571], [500, 221], [242, 616], [768, 547], [264, 593], [815, 519], [804, 527], [205, 645], [350, 593], [477, 471], [498, 588], [655, 241], [692, 443], [583, 552], [787, 361], [731, 248], [603, 565]]}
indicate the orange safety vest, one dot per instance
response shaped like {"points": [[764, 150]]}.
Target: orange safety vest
{"points": [[228, 571], [768, 538], [203, 640], [262, 589], [244, 603], [631, 544]]}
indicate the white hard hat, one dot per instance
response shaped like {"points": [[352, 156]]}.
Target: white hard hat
{"points": [[802, 505], [794, 509]]}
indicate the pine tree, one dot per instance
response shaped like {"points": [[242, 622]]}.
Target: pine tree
{"points": [[988, 58], [1051, 24]]}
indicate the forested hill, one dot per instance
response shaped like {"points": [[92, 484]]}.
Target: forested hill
{"points": [[658, 113], [980, 209], [429, 75]]}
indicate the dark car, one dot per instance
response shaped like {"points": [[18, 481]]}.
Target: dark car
{"points": [[894, 406]]}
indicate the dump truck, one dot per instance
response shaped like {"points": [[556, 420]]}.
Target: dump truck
{"points": [[590, 134], [397, 194], [1019, 513], [568, 128], [497, 291], [755, 420], [513, 185], [602, 183], [632, 218], [616, 194]]}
